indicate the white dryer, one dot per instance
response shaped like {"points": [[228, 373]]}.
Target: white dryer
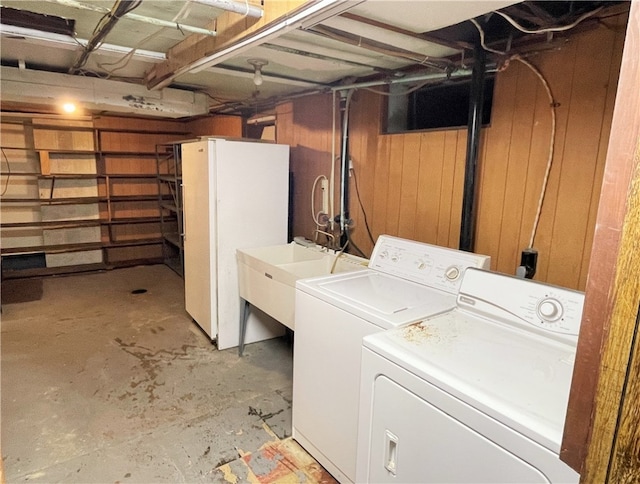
{"points": [[476, 394], [406, 282]]}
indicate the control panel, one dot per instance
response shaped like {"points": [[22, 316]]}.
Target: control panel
{"points": [[426, 264], [529, 303]]}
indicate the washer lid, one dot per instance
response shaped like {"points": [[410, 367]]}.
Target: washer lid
{"points": [[384, 300], [519, 378]]}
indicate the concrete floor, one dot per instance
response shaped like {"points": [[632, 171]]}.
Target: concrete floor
{"points": [[102, 385]]}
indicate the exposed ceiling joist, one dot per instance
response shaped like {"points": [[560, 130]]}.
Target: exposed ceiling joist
{"points": [[138, 18], [47, 88], [236, 36], [38, 37], [230, 28], [386, 49], [305, 53], [306, 45]]}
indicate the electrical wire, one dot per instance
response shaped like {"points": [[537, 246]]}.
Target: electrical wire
{"points": [[552, 104], [364, 213], [129, 55], [357, 249], [561, 28], [103, 28], [6, 186], [482, 38], [552, 140], [403, 93]]}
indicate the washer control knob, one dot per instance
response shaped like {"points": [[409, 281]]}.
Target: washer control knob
{"points": [[549, 309], [395, 257], [422, 265], [384, 254], [452, 273]]}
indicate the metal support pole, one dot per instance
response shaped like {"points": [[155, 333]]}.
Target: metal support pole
{"points": [[476, 100], [344, 169]]}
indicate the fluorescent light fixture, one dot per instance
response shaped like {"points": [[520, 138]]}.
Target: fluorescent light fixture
{"points": [[38, 37], [315, 13]]}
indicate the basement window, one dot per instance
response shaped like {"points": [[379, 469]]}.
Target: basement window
{"points": [[436, 106]]}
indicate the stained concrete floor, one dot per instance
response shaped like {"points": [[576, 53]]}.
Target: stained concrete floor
{"points": [[102, 385]]}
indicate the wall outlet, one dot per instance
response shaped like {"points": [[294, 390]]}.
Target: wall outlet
{"points": [[324, 186]]}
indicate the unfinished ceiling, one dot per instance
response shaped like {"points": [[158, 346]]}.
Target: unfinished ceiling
{"points": [[188, 57]]}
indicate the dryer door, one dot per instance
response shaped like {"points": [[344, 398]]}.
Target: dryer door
{"points": [[412, 441]]}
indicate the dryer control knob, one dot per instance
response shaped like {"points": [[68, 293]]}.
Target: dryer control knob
{"points": [[452, 273], [550, 310]]}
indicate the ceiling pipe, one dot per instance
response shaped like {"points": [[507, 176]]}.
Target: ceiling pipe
{"points": [[322, 57], [308, 15], [136, 17], [438, 76], [66, 42], [245, 9]]}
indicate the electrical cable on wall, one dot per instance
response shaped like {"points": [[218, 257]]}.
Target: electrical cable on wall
{"points": [[364, 213], [545, 180], [529, 255]]}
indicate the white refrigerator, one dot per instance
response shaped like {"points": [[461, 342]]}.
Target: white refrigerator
{"points": [[235, 196]]}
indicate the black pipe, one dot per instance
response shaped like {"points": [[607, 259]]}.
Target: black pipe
{"points": [[469, 198], [344, 169]]}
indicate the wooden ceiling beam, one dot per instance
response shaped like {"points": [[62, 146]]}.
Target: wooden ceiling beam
{"points": [[230, 27]]}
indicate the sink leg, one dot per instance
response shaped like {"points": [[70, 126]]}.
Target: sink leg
{"points": [[244, 315]]}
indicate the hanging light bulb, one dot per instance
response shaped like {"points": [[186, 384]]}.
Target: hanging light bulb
{"points": [[257, 77], [257, 64]]}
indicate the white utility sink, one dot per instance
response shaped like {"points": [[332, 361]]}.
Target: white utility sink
{"points": [[267, 275]]}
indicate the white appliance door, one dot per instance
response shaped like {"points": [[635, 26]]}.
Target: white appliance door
{"points": [[326, 382], [200, 230], [413, 441], [252, 199]]}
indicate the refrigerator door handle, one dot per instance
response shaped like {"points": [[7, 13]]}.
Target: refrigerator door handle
{"points": [[184, 214]]}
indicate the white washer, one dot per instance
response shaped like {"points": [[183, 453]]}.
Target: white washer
{"points": [[406, 282], [476, 394]]}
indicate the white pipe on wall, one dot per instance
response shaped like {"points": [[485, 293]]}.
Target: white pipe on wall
{"points": [[244, 8]]}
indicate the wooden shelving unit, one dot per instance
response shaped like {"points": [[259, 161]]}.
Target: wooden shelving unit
{"points": [[81, 193]]}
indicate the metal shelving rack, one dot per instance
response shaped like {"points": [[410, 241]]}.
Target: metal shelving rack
{"points": [[169, 174]]}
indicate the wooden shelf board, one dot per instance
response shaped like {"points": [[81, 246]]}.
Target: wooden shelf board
{"points": [[53, 249], [174, 239], [62, 224]]}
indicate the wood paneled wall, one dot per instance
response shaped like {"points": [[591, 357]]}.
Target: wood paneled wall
{"points": [[229, 126], [306, 126], [410, 184]]}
